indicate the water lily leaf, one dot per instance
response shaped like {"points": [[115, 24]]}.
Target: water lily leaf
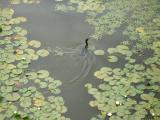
{"points": [[52, 86], [31, 75], [108, 78], [34, 43], [7, 13], [10, 59], [37, 81], [100, 75], [112, 58], [42, 53], [122, 47], [22, 19], [49, 79], [17, 29], [43, 84], [4, 76], [33, 56], [17, 71], [99, 52], [56, 91], [9, 82], [61, 109], [43, 74], [106, 70], [25, 102], [27, 93], [10, 66], [6, 89], [29, 51], [139, 67], [111, 50], [22, 32], [23, 46], [12, 97], [19, 52], [2, 116], [22, 66], [38, 102], [147, 97], [57, 83], [32, 89]]}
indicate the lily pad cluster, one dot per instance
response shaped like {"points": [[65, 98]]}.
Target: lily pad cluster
{"points": [[15, 2], [107, 16], [132, 91], [25, 94]]}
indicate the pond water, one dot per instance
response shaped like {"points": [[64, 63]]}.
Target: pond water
{"points": [[66, 32]]}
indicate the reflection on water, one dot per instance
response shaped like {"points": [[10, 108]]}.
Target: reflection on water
{"points": [[81, 55]]}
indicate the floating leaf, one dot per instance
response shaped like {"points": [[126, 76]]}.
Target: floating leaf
{"points": [[17, 71], [34, 43], [99, 52], [31, 75], [6, 89], [42, 53], [25, 102], [12, 97], [112, 58], [43, 74], [38, 102], [140, 29], [100, 75], [43, 84]]}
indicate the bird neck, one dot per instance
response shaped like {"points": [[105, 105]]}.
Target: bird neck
{"points": [[86, 43]]}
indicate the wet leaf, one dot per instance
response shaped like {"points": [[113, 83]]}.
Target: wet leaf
{"points": [[99, 52], [34, 43], [12, 97], [43, 74], [25, 102], [112, 59], [42, 53]]}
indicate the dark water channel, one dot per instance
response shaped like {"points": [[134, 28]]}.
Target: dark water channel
{"points": [[66, 30]]}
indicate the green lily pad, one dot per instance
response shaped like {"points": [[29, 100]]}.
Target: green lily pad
{"points": [[35, 43], [43, 85], [6, 89], [37, 81], [9, 82], [33, 56], [99, 52], [52, 86], [22, 32], [17, 71], [42, 53], [112, 59], [139, 67], [25, 102], [30, 51], [15, 2], [4, 76], [31, 75], [147, 97], [42, 74], [12, 97], [111, 50]]}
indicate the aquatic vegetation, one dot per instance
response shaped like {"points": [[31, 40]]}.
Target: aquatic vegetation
{"points": [[99, 52], [20, 98], [108, 16], [15, 2], [130, 92]]}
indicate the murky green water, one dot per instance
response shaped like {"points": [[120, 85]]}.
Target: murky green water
{"points": [[120, 87]]}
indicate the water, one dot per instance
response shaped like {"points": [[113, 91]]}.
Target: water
{"points": [[66, 30]]}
